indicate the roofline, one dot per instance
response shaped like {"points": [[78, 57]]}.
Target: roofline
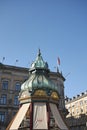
{"points": [[71, 100], [58, 74], [12, 67]]}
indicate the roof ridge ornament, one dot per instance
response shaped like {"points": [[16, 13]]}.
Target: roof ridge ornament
{"points": [[39, 52]]}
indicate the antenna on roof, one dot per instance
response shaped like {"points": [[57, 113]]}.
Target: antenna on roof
{"points": [[3, 59], [16, 62], [67, 74]]}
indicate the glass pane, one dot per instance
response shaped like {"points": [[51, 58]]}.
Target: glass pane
{"points": [[16, 102], [5, 85], [18, 86], [2, 116], [3, 99]]}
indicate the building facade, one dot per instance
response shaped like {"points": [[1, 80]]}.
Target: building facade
{"points": [[11, 78], [77, 112], [39, 101]]}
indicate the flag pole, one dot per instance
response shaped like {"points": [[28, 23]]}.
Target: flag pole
{"points": [[58, 64], [3, 59]]}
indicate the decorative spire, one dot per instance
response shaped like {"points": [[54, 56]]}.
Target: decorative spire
{"points": [[39, 62], [39, 53]]}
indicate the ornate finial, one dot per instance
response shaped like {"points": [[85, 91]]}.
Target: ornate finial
{"points": [[39, 53]]}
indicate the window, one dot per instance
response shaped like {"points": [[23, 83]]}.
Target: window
{"points": [[86, 108], [76, 104], [2, 116], [77, 111], [5, 85], [73, 106], [81, 110], [72, 111], [16, 102], [85, 101], [3, 99], [17, 86], [14, 113], [81, 102]]}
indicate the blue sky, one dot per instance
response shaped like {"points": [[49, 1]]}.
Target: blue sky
{"points": [[57, 27]]}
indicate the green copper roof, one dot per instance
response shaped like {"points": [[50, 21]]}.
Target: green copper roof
{"points": [[38, 82], [39, 62], [39, 77]]}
